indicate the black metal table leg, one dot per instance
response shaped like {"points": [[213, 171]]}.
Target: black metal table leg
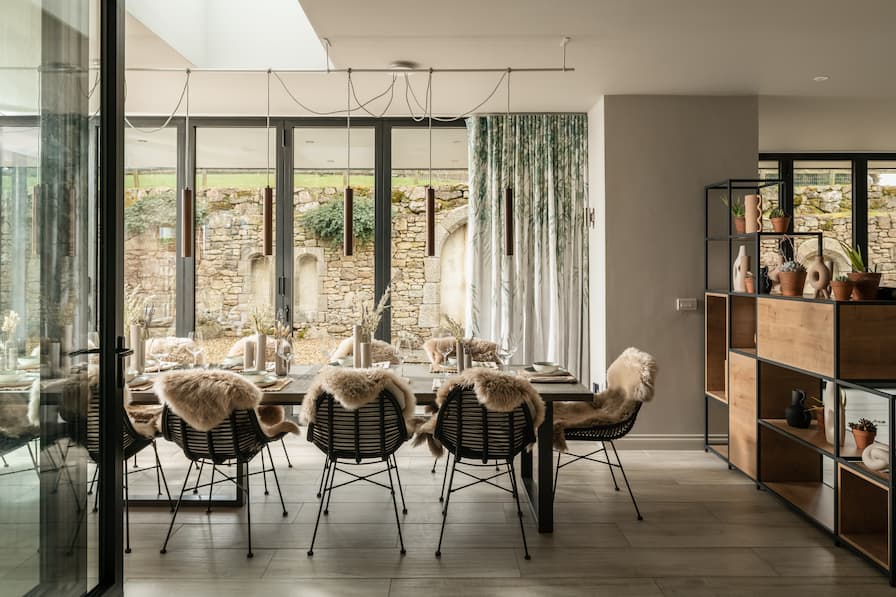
{"points": [[545, 495]]}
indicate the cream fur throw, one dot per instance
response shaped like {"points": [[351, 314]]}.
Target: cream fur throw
{"points": [[495, 390], [206, 398], [353, 388], [482, 350], [381, 351], [630, 380]]}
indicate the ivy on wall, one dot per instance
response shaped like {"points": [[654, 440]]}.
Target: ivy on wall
{"points": [[326, 220], [154, 211]]}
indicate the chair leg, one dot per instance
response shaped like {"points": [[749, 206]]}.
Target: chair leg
{"points": [[183, 489], [248, 509], [201, 467], [211, 487], [329, 491], [286, 452], [612, 474], [556, 475], [92, 484], [161, 472], [264, 472], [519, 510], [5, 464], [323, 476], [395, 504], [445, 510], [276, 480], [434, 463], [625, 478], [127, 513], [404, 508], [96, 494], [445, 477], [135, 461], [331, 466]]}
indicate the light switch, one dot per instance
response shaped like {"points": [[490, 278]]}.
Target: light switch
{"points": [[686, 304]]}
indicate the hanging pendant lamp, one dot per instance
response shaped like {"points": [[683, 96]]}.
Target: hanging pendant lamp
{"points": [[348, 198], [35, 221], [430, 192], [72, 209], [268, 202], [186, 199], [508, 190]]}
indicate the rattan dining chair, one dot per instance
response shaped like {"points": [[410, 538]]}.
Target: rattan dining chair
{"points": [[237, 439], [363, 436], [468, 430]]}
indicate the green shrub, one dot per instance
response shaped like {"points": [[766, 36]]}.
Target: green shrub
{"points": [[154, 211], [326, 220]]}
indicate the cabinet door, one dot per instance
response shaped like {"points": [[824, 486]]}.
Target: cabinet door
{"points": [[742, 413]]}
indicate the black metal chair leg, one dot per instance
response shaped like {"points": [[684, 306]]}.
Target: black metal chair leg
{"points": [[211, 487], [320, 506], [556, 475], [201, 467], [285, 452], [177, 507], [395, 504], [625, 478], [404, 508], [445, 509], [264, 472], [96, 495], [434, 463], [127, 513], [248, 508], [96, 471], [161, 471], [323, 476], [519, 510], [5, 464], [610, 466], [329, 491], [276, 480], [445, 478], [135, 461]]}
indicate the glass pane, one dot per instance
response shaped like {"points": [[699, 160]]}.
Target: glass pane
{"points": [[328, 287], [768, 170], [425, 289], [150, 221], [881, 209], [233, 276], [822, 202]]}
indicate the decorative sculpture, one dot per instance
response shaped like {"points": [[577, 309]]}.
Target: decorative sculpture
{"points": [[753, 213], [819, 277], [740, 269]]}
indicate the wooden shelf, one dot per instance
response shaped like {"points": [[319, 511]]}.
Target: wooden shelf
{"points": [[720, 449], [720, 395], [880, 476], [873, 545], [812, 497], [864, 514], [716, 346], [813, 435]]}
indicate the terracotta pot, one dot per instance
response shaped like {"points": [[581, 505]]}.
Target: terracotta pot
{"points": [[740, 225], [819, 418], [842, 289], [750, 284], [863, 438], [780, 224], [792, 283], [865, 285]]}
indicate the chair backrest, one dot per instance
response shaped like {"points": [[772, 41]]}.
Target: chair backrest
{"points": [[131, 441], [469, 430], [238, 437], [376, 430]]}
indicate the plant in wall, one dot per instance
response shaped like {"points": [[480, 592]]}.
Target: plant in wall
{"points": [[738, 212], [864, 432], [865, 280], [780, 220], [326, 220], [842, 288], [792, 275]]}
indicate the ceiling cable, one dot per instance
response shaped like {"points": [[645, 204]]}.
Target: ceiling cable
{"points": [[268, 129]]}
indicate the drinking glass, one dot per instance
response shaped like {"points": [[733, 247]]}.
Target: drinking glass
{"points": [[507, 348], [285, 350], [444, 348], [402, 348], [158, 350], [196, 346]]}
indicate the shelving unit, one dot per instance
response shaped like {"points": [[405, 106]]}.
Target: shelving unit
{"points": [[758, 349]]}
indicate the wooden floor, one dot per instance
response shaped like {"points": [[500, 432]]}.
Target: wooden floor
{"points": [[706, 531]]}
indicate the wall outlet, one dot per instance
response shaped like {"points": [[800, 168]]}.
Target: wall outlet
{"points": [[686, 304]]}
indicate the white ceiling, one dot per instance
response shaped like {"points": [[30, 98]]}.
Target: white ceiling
{"points": [[764, 47]]}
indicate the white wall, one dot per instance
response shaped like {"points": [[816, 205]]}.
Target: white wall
{"points": [[657, 153]]}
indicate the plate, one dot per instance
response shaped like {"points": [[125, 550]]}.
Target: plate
{"points": [[267, 381], [531, 371]]}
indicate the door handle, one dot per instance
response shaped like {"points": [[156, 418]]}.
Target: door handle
{"points": [[81, 351], [121, 352]]}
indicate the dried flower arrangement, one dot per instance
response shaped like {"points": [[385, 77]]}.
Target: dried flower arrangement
{"points": [[370, 320]]}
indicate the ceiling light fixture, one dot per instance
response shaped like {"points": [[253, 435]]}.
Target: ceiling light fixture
{"points": [[186, 196], [430, 192], [267, 237], [348, 198], [404, 65], [820, 78], [508, 190]]}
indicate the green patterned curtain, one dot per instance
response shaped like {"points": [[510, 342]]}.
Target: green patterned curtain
{"points": [[540, 294]]}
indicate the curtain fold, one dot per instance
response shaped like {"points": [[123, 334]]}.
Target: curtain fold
{"points": [[540, 294]]}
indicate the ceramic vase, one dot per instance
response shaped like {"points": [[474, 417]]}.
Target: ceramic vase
{"points": [[281, 366], [460, 353], [357, 337], [12, 355], [740, 269], [831, 398], [261, 353], [365, 355], [138, 345], [248, 355], [796, 414], [819, 277], [752, 213]]}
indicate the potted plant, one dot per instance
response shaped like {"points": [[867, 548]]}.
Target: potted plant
{"points": [[780, 220], [738, 213], [792, 275], [842, 288], [864, 432], [865, 281]]}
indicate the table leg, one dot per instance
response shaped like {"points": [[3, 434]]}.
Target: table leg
{"points": [[545, 495]]}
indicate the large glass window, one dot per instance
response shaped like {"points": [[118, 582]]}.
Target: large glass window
{"points": [[233, 276], [881, 230], [822, 201]]}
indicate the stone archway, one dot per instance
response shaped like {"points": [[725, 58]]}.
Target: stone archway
{"points": [[807, 250], [310, 270], [445, 275]]}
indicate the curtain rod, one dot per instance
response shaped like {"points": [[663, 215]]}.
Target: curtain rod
{"points": [[161, 69]]}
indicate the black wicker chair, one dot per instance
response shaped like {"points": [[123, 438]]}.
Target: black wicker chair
{"points": [[9, 444], [239, 438], [364, 436], [602, 434], [467, 430]]}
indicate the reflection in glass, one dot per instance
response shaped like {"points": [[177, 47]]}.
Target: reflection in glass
{"points": [[881, 209]]}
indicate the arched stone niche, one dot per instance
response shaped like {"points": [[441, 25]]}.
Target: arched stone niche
{"points": [[310, 270]]}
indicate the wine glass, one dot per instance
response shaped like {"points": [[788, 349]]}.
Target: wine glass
{"points": [[93, 339], [159, 350], [401, 348], [507, 348], [196, 346], [444, 346], [285, 350]]}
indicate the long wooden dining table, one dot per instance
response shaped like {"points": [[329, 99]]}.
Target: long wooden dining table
{"points": [[539, 487]]}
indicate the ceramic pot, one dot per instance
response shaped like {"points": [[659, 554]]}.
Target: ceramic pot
{"points": [[460, 352], [750, 284], [796, 414], [865, 285], [819, 418], [863, 438], [358, 338], [739, 270], [842, 289], [261, 353], [740, 224], [819, 277], [752, 213], [792, 283], [780, 224]]}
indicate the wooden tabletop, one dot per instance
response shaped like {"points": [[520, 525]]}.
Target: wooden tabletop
{"points": [[418, 375]]}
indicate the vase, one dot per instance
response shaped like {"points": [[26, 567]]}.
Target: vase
{"points": [[248, 355], [740, 224], [780, 224], [460, 353], [740, 269], [138, 345], [750, 284], [831, 400], [752, 213], [863, 438], [842, 289], [12, 355], [819, 277], [358, 337], [53, 358], [281, 366], [792, 283], [865, 285], [365, 355], [261, 353], [796, 414]]}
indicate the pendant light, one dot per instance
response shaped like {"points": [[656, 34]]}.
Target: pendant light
{"points": [[35, 221], [430, 192], [268, 204], [72, 209], [349, 193], [508, 190], [186, 199]]}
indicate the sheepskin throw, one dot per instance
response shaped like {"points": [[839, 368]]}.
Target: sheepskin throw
{"points": [[380, 351], [495, 390], [630, 380], [353, 388], [206, 398], [481, 350]]}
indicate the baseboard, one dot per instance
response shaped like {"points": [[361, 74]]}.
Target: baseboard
{"points": [[667, 441]]}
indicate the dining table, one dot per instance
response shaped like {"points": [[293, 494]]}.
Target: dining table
{"points": [[537, 473]]}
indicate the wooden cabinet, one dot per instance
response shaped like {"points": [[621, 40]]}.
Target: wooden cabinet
{"points": [[796, 333], [742, 413]]}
